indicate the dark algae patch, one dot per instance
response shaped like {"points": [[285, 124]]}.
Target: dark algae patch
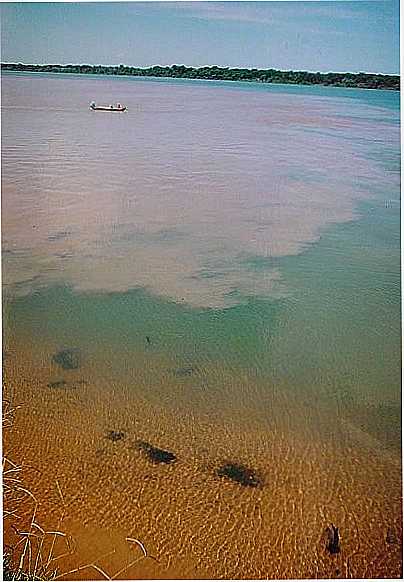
{"points": [[332, 536], [115, 435], [67, 359], [65, 384], [184, 371], [239, 474], [391, 538], [57, 384], [155, 454]]}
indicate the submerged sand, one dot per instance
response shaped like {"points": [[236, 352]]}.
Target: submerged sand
{"points": [[313, 469]]}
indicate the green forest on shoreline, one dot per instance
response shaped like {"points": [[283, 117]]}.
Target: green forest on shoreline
{"points": [[358, 80]]}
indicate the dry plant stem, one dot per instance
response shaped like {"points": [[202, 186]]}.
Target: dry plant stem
{"points": [[27, 545], [15, 470], [56, 533], [52, 558], [54, 538], [29, 548], [90, 565], [8, 413], [115, 576], [139, 544], [39, 553], [38, 566], [7, 513], [33, 542], [60, 493], [101, 571]]}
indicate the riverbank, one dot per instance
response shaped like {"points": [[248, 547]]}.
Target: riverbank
{"points": [[348, 80]]}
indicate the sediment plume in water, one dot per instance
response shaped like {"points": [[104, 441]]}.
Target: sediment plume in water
{"points": [[232, 437], [180, 203]]}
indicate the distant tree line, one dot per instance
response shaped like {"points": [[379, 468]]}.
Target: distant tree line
{"points": [[359, 80]]}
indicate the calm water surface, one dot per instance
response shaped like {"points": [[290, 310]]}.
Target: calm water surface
{"points": [[225, 259]]}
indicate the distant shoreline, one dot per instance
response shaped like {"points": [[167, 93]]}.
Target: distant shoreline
{"points": [[270, 76]]}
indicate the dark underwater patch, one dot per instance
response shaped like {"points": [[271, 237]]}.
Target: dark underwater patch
{"points": [[156, 455], [239, 474], [115, 435], [185, 371], [391, 537], [332, 539], [57, 384], [67, 359], [62, 383]]}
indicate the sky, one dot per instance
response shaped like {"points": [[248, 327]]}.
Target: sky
{"points": [[338, 35]]}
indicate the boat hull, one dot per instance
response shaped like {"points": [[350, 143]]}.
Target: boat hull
{"points": [[100, 108]]}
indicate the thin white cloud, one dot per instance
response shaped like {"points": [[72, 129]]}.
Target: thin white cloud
{"points": [[271, 12], [227, 11]]}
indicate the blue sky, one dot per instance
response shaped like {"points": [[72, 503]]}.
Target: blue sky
{"points": [[339, 35]]}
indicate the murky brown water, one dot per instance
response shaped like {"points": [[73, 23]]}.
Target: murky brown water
{"points": [[177, 192]]}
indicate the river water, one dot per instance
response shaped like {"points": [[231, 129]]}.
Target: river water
{"points": [[221, 264]]}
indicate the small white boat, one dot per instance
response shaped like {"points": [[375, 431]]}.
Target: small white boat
{"points": [[117, 107]]}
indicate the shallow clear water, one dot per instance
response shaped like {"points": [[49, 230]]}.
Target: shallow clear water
{"points": [[226, 258]]}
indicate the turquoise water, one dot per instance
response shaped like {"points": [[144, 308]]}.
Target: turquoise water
{"points": [[335, 336], [383, 98]]}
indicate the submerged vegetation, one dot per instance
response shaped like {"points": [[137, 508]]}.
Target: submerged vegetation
{"points": [[57, 384], [156, 455], [240, 474], [67, 359], [332, 539], [358, 80], [115, 435], [184, 371]]}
